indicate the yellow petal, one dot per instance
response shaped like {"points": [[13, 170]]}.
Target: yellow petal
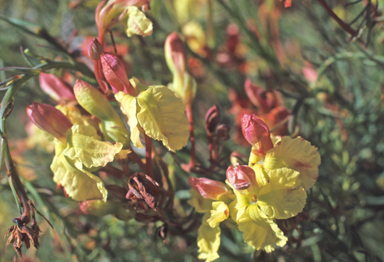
{"points": [[258, 232], [123, 154], [138, 23], [73, 113], [208, 241], [84, 145], [162, 117], [297, 154], [283, 203], [81, 185], [201, 204], [129, 107], [219, 213], [280, 198]]}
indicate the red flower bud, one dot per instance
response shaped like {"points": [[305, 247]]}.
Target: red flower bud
{"points": [[175, 54], [241, 177], [209, 189], [212, 119], [56, 87], [95, 49], [114, 73], [49, 119], [256, 132]]}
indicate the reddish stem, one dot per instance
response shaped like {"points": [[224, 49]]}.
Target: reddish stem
{"points": [[101, 37], [191, 134], [111, 170], [341, 23], [148, 155]]}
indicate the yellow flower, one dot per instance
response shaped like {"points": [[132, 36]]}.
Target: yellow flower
{"points": [[157, 112], [210, 197], [263, 196], [75, 160], [294, 153]]}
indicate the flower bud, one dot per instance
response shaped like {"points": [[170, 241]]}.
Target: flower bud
{"points": [[183, 83], [256, 132], [55, 87], [258, 97], [241, 177], [49, 119], [209, 189], [175, 54], [99, 207], [115, 74], [212, 119], [188, 92], [95, 49], [93, 101], [108, 16], [98, 105]]}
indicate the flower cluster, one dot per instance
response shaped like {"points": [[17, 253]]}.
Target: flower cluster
{"points": [[272, 186], [89, 133]]}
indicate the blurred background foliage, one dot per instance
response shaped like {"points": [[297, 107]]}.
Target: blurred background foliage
{"points": [[330, 80]]}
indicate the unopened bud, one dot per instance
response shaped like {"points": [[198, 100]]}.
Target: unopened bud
{"points": [[212, 119], [98, 105], [256, 132], [175, 54], [208, 188], [188, 93], [49, 119], [115, 74], [93, 101], [95, 49], [56, 87], [99, 207], [241, 177]]}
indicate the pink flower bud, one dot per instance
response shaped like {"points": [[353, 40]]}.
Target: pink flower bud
{"points": [[175, 54], [258, 97], [49, 119], [95, 49], [212, 119], [56, 87], [115, 74], [209, 189], [241, 177], [256, 132]]}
